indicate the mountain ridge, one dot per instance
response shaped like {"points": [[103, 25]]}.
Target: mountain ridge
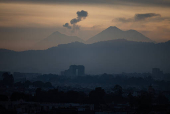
{"points": [[110, 33], [113, 32], [55, 39], [102, 57]]}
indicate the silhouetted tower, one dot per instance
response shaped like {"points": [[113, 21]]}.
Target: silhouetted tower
{"points": [[81, 70], [74, 70]]}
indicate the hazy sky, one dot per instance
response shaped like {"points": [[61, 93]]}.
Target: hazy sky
{"points": [[25, 22]]}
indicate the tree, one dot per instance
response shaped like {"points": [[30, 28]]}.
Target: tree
{"points": [[7, 79], [117, 90], [39, 84], [97, 96], [27, 83], [161, 99], [3, 98], [48, 85]]}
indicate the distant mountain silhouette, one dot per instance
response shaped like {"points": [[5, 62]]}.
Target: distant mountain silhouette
{"points": [[114, 56], [54, 39], [110, 33], [113, 33]]}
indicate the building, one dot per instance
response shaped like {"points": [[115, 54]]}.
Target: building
{"points": [[74, 70]]}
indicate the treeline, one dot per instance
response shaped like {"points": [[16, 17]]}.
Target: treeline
{"points": [[102, 80], [28, 83], [8, 80], [145, 102], [108, 79], [96, 96], [99, 79]]}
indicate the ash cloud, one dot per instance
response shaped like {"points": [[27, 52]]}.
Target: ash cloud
{"points": [[67, 25], [75, 20], [75, 27], [80, 16]]}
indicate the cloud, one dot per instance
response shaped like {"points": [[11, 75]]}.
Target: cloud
{"points": [[96, 26], [124, 20], [141, 17], [80, 15], [162, 3], [67, 25]]}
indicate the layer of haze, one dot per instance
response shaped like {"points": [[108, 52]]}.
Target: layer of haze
{"points": [[24, 24]]}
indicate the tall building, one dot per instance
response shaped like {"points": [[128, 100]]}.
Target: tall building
{"points": [[74, 70]]}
